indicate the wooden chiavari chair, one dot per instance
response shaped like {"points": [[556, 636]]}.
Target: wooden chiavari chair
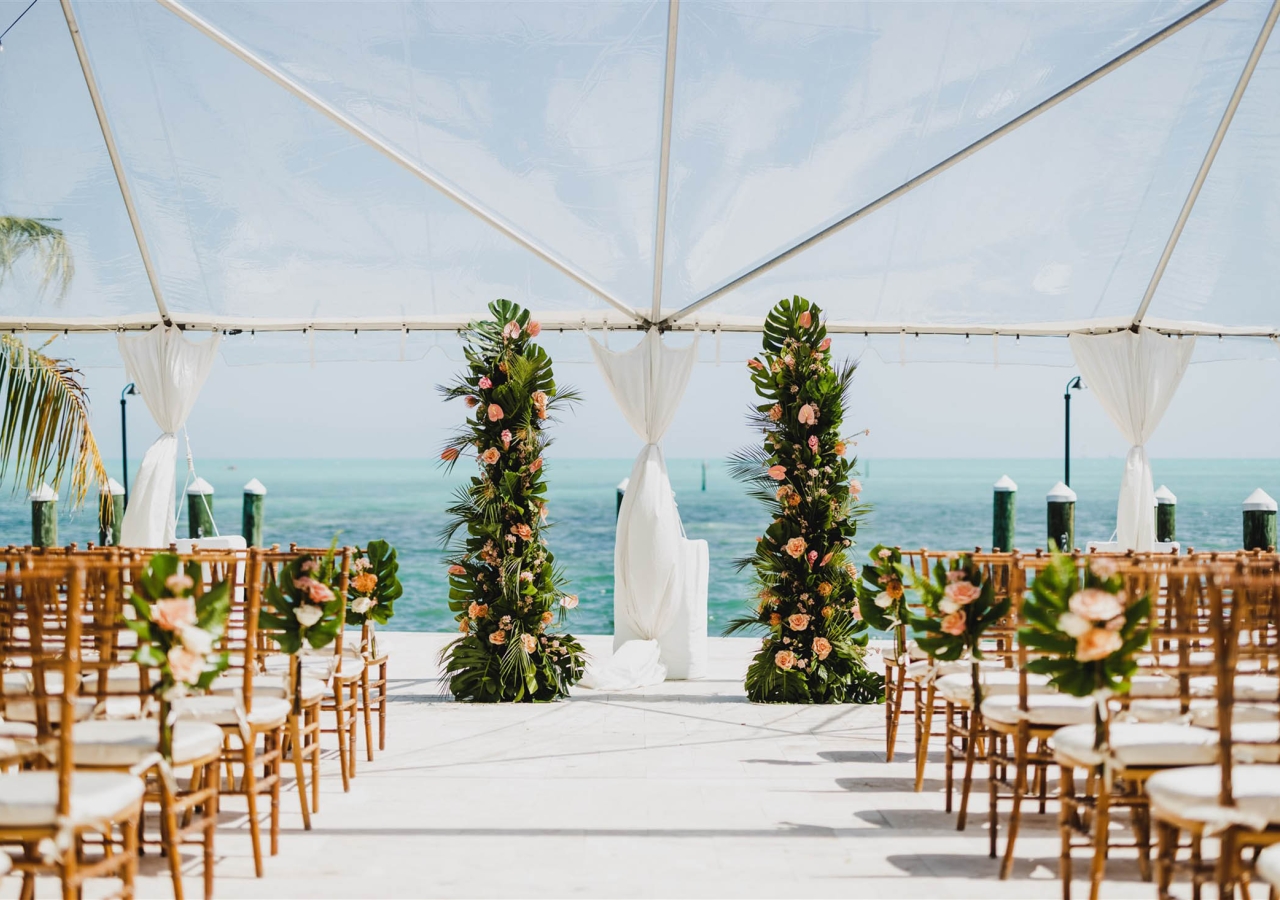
{"points": [[48, 814]]}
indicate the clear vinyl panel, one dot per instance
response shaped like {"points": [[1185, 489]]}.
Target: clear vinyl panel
{"points": [[54, 165], [1062, 220], [1226, 266]]}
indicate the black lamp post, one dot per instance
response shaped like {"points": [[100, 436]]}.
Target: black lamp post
{"points": [[1073, 385], [129, 388]]}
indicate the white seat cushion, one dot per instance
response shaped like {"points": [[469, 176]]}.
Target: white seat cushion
{"points": [[1048, 710], [1248, 688], [222, 710], [269, 685], [1193, 793], [30, 799], [122, 679], [958, 687], [1268, 865], [1139, 745], [1206, 714], [1148, 686], [120, 743], [314, 665], [22, 681], [21, 710], [1256, 741], [16, 739]]}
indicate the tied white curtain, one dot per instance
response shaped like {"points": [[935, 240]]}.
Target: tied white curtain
{"points": [[1134, 376], [169, 371], [660, 577]]}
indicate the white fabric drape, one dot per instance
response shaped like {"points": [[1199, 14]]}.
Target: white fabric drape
{"points": [[660, 577], [1134, 376], [169, 371]]}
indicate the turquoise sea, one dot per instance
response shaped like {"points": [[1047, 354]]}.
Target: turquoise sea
{"points": [[939, 504]]}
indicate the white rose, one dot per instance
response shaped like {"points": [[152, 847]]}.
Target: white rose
{"points": [[197, 640], [361, 605], [884, 601], [308, 615], [1073, 625], [947, 606]]}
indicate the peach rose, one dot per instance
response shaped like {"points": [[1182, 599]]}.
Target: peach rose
{"points": [[775, 413], [478, 610], [825, 589], [547, 617], [962, 592], [457, 570], [365, 582], [954, 624], [522, 531], [449, 454], [1097, 643], [777, 473], [319, 592], [784, 659], [795, 547], [185, 666], [798, 622], [498, 638], [173, 615], [808, 414], [839, 448], [1095, 605], [529, 642], [464, 626], [533, 329], [775, 619], [821, 647], [490, 457], [806, 319]]}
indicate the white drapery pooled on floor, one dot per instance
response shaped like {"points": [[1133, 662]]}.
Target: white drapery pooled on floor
{"points": [[169, 371], [1134, 376], [659, 577]]}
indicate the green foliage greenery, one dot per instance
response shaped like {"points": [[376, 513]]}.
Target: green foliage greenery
{"points": [[814, 649], [373, 600], [504, 588], [960, 605], [301, 605]]}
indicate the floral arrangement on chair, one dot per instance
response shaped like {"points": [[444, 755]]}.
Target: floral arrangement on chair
{"points": [[373, 587], [813, 652], [301, 605], [503, 584], [882, 594], [1088, 629], [960, 606], [177, 631]]}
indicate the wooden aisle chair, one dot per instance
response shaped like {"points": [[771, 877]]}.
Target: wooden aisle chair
{"points": [[1133, 750], [1237, 799], [373, 687], [46, 815]]}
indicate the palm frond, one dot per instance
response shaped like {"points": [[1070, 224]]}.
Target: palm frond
{"points": [[19, 237], [44, 430]]}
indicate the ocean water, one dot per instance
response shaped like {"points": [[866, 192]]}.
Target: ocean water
{"points": [[939, 504]]}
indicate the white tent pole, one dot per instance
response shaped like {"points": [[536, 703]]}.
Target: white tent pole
{"points": [[664, 159], [1227, 115], [114, 154], [389, 151], [929, 174]]}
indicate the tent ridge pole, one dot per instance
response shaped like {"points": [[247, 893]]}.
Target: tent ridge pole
{"points": [[664, 158], [1210, 155], [116, 165], [937, 169], [388, 150]]}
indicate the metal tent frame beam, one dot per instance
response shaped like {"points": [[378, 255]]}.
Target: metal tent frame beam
{"points": [[113, 152], [1210, 155], [664, 157], [959, 156], [391, 152]]}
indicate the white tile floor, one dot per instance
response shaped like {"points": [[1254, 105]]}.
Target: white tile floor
{"points": [[682, 790]]}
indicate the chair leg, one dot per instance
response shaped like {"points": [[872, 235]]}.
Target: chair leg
{"points": [[970, 756], [922, 746], [1101, 835], [382, 707], [251, 796], [1022, 744], [313, 729], [169, 836], [276, 770], [353, 726], [1066, 807], [993, 799], [1166, 852], [299, 769], [340, 715], [210, 828], [130, 874], [70, 889], [368, 713], [1142, 832]]}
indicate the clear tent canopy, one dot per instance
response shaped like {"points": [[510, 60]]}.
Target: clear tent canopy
{"points": [[1017, 171]]}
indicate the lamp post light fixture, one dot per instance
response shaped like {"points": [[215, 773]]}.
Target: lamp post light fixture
{"points": [[129, 389], [1075, 384]]}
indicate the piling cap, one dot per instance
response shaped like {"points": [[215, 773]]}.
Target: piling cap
{"points": [[200, 486], [255, 487], [44, 494], [623, 484], [115, 488], [1005, 484], [1260, 499], [1061, 494], [1165, 497]]}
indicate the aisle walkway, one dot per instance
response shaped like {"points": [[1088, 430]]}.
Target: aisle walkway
{"points": [[680, 790]]}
